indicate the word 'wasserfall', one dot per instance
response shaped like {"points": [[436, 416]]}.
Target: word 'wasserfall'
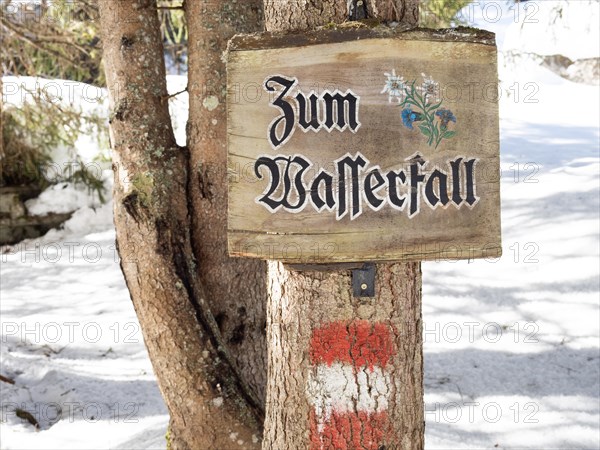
{"points": [[354, 183]]}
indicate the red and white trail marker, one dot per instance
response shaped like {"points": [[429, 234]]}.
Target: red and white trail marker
{"points": [[348, 386]]}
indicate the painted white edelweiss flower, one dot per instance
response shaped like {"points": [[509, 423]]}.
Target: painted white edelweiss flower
{"points": [[430, 89], [394, 86]]}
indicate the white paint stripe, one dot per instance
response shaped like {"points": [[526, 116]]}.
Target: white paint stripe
{"points": [[343, 389]]}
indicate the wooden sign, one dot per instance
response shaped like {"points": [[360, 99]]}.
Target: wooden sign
{"points": [[363, 145]]}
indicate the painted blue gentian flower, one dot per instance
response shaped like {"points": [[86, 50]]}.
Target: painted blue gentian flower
{"points": [[445, 116], [409, 116]]}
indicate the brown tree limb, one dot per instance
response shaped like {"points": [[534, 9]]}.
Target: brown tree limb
{"points": [[236, 286], [7, 380], [207, 398]]}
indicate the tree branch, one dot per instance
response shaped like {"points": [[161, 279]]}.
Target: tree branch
{"points": [[153, 216], [170, 96], [11, 27]]}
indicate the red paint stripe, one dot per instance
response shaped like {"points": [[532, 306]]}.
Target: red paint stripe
{"points": [[349, 431], [360, 343]]}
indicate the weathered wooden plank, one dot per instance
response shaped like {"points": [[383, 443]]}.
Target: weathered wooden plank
{"points": [[400, 174]]}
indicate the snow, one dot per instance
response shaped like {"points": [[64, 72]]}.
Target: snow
{"points": [[576, 19], [71, 199], [511, 345], [547, 27], [70, 338], [71, 342], [178, 106]]}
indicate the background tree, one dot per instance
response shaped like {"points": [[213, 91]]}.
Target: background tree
{"points": [[236, 287], [442, 13], [53, 40], [59, 39]]}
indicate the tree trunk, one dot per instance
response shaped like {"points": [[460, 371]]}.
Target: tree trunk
{"points": [[1, 124], [236, 287], [210, 404], [288, 15], [344, 372]]}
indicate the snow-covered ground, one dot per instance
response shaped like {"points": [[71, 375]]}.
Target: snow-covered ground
{"points": [[70, 338], [512, 347]]}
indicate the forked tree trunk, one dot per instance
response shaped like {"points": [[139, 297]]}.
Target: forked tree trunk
{"points": [[210, 404], [344, 372], [170, 206]]}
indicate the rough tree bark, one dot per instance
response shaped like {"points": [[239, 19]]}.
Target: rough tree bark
{"points": [[1, 124], [236, 287], [343, 372], [286, 15], [210, 404]]}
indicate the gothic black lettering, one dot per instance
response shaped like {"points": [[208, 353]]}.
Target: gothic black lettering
{"points": [[287, 111], [331, 110], [326, 179], [396, 201], [456, 197], [313, 123], [357, 184], [470, 168], [370, 189], [353, 164], [335, 106], [442, 184], [281, 183], [415, 179]]}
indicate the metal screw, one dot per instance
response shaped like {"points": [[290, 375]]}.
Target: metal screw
{"points": [[364, 286]]}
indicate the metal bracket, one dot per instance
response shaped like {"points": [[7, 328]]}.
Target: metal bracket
{"points": [[363, 281], [357, 10]]}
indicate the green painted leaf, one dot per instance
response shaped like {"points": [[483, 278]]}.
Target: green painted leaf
{"points": [[449, 134], [433, 107], [425, 130]]}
